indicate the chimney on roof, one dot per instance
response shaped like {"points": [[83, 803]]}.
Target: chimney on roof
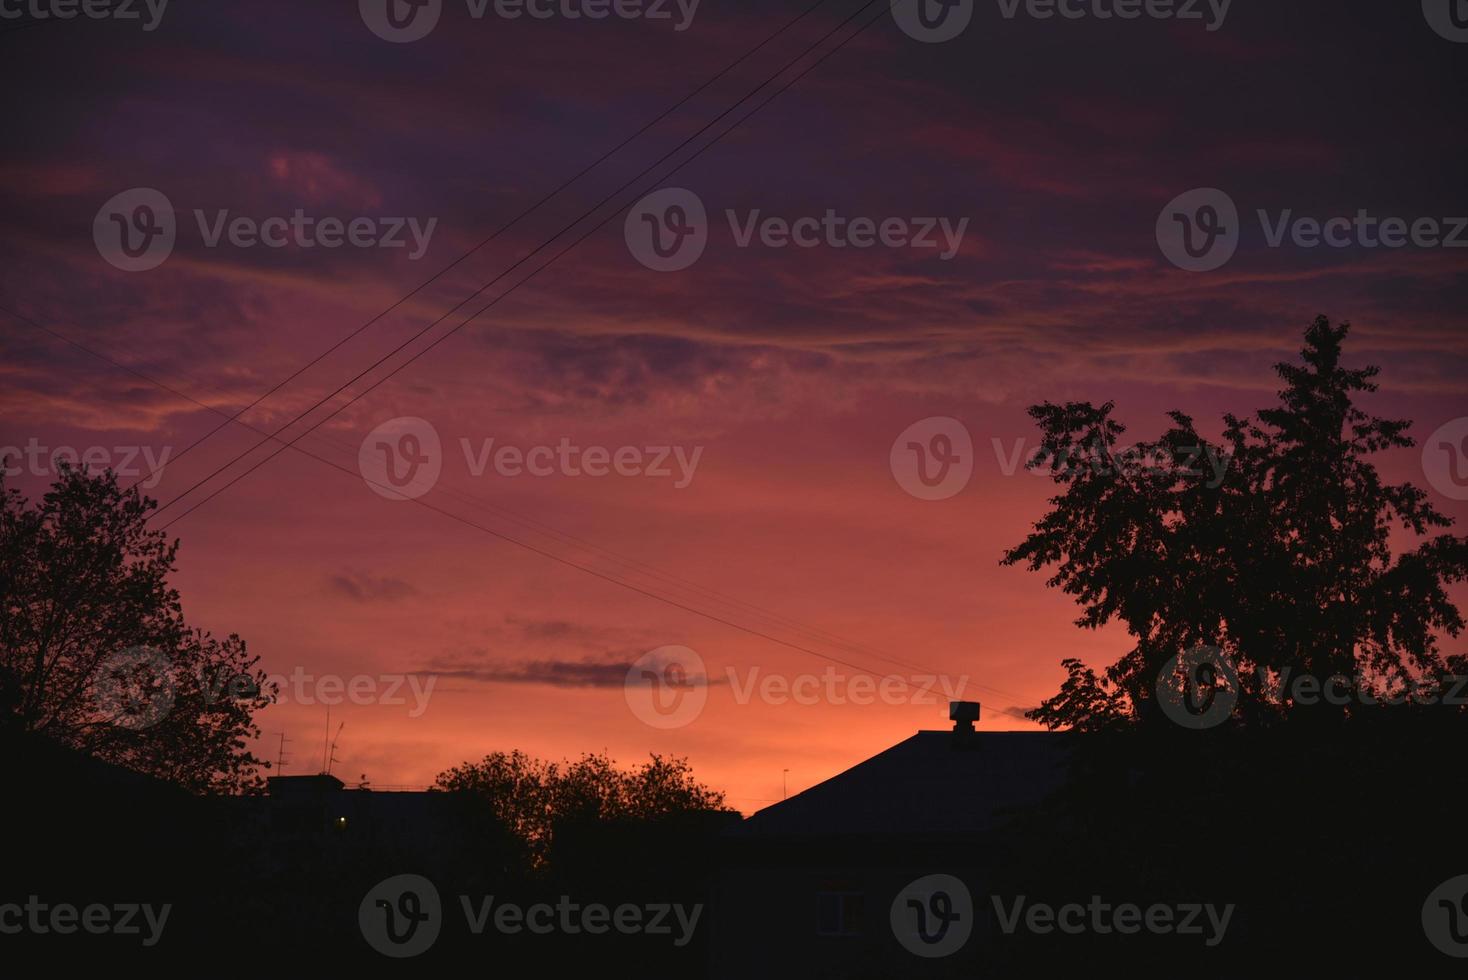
{"points": [[963, 714]]}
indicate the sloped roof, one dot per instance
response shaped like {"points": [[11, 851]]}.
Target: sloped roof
{"points": [[931, 783]]}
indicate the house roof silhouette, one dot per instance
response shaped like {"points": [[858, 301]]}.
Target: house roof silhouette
{"points": [[934, 783]]}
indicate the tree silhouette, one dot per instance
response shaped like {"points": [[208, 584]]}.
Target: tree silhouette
{"points": [[1284, 562], [94, 649], [533, 797]]}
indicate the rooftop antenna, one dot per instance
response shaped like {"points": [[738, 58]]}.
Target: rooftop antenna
{"points": [[280, 762], [326, 739], [784, 784], [331, 752]]}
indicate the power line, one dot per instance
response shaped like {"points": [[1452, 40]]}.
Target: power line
{"points": [[587, 569], [541, 268], [516, 265], [499, 231], [1015, 701]]}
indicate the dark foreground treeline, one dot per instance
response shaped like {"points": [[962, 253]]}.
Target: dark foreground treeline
{"points": [[255, 892], [1326, 841]]}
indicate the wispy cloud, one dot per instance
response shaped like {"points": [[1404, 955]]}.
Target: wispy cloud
{"points": [[363, 587], [1014, 712], [556, 673]]}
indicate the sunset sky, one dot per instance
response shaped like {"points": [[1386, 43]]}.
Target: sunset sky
{"points": [[790, 371]]}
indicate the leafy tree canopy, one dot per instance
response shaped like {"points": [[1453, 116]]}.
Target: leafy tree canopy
{"points": [[94, 649], [1285, 563], [533, 797]]}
